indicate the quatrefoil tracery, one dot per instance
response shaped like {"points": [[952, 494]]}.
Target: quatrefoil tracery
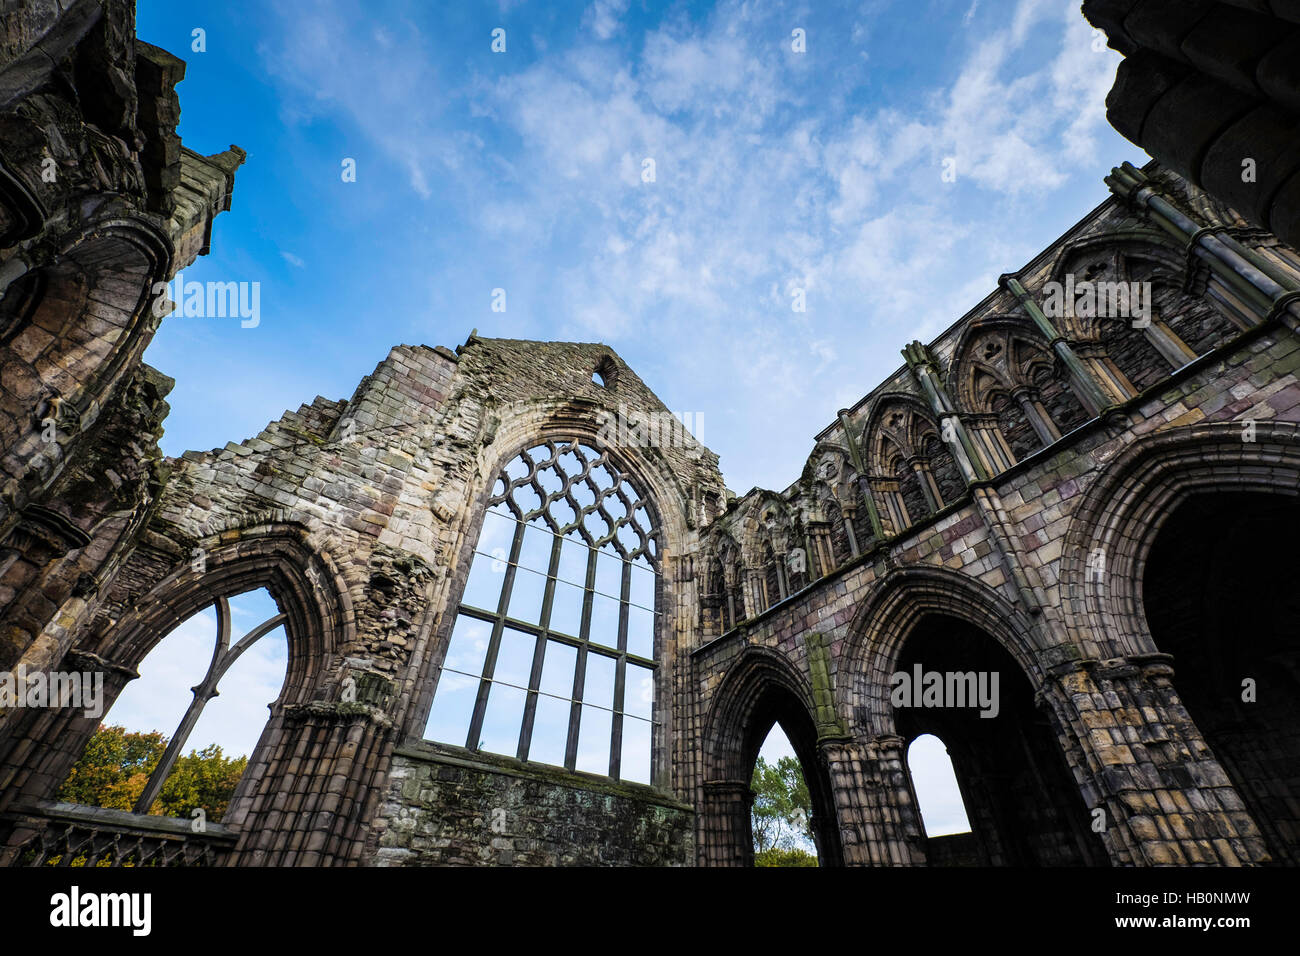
{"points": [[554, 476]]}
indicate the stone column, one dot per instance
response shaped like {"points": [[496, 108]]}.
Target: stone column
{"points": [[820, 549], [755, 592], [953, 430], [1141, 761], [925, 478], [1103, 368], [990, 444], [878, 820], [859, 465], [729, 585], [1091, 391], [1027, 397], [895, 509], [726, 838], [1170, 346], [1268, 291], [849, 513]]}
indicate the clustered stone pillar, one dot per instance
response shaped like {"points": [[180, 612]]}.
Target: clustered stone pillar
{"points": [[1143, 763], [726, 838], [1261, 285], [954, 434], [1031, 404], [925, 478], [820, 548], [859, 464], [317, 787], [878, 820], [991, 448], [755, 592]]}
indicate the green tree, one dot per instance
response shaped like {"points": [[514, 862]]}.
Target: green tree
{"points": [[781, 814], [113, 769], [779, 857], [204, 778], [116, 765]]}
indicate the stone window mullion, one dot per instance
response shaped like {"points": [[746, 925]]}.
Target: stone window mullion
{"points": [[620, 673], [539, 654], [511, 635], [580, 672], [494, 644]]}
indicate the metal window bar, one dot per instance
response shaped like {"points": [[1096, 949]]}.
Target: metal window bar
{"points": [[223, 656], [646, 548]]}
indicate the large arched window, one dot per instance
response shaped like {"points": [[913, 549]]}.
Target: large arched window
{"points": [[552, 654], [132, 758]]}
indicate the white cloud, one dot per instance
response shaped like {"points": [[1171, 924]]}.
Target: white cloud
{"points": [[234, 719], [603, 17], [760, 185]]}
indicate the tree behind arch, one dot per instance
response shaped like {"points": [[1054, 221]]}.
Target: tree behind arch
{"points": [[781, 814]]}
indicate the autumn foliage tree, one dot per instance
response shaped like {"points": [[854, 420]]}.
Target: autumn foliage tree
{"points": [[781, 814], [116, 765]]}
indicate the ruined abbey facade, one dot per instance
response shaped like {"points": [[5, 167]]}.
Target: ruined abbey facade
{"points": [[1088, 485]]}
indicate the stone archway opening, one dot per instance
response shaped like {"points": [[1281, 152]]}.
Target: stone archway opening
{"points": [[777, 706], [180, 735], [955, 682], [782, 819], [760, 696], [1219, 594], [939, 800]]}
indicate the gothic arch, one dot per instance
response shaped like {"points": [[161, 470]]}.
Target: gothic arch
{"points": [[1184, 321], [513, 430], [668, 511], [1118, 518], [966, 360], [1017, 399], [899, 460], [883, 623], [303, 580], [518, 428], [766, 518], [903, 432], [760, 689], [1154, 244], [302, 577], [718, 570], [1020, 793], [766, 531], [825, 451]]}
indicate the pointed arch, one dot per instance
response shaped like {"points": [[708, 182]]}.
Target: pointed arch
{"points": [[882, 623], [760, 689], [1119, 516], [306, 585]]}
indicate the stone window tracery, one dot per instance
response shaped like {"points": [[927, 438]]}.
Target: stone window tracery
{"points": [[191, 645], [552, 654]]}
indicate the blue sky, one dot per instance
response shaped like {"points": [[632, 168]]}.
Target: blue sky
{"points": [[774, 171], [234, 719]]}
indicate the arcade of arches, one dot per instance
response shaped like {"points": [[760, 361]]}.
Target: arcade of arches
{"points": [[1078, 523]]}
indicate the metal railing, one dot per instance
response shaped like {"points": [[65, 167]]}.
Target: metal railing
{"points": [[46, 833]]}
